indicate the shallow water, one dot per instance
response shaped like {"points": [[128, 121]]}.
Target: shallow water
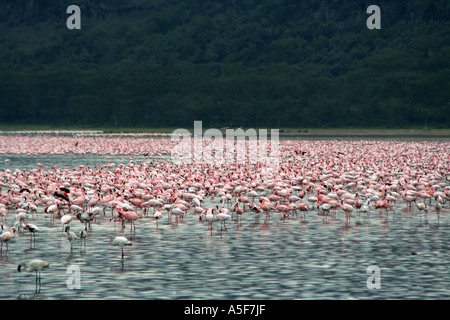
{"points": [[27, 162], [252, 259]]}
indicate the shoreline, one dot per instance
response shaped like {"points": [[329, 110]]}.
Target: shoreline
{"points": [[285, 133]]}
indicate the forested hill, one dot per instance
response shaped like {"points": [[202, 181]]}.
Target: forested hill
{"points": [[252, 63]]}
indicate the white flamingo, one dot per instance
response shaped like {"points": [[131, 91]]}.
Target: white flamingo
{"points": [[32, 229], [65, 220], [70, 235], [121, 242], [157, 215], [35, 265]]}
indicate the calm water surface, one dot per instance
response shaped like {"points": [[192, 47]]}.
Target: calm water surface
{"points": [[255, 259]]}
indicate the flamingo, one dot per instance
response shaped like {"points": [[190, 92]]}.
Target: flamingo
{"points": [[438, 204], [92, 212], [32, 229], [105, 201], [325, 208], [5, 237], [3, 212], [82, 234], [199, 210], [35, 265], [51, 209], [283, 208], [293, 198], [76, 209], [303, 207], [168, 207], [252, 194], [409, 199], [365, 207], [21, 217], [157, 215], [348, 209], [121, 242], [92, 202], [312, 199], [358, 203], [128, 215], [257, 210], [223, 217], [275, 198], [176, 211], [136, 202], [85, 219], [244, 200], [80, 200], [267, 206], [62, 195], [239, 210], [71, 236], [65, 220]]}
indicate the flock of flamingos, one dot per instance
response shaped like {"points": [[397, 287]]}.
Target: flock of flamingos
{"points": [[321, 179]]}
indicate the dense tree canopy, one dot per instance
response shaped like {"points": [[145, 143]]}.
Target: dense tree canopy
{"points": [[278, 63]]}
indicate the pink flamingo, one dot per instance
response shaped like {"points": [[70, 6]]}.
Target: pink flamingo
{"points": [[136, 202], [324, 208], [358, 203], [5, 237], [128, 215], [348, 209], [409, 199], [267, 206], [303, 207], [283, 208], [238, 209], [244, 200], [3, 212]]}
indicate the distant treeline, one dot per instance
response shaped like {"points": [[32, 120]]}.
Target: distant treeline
{"points": [[252, 63]]}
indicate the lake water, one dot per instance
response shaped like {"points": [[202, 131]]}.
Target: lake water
{"points": [[288, 259]]}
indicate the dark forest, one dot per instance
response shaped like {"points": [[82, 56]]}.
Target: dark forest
{"points": [[280, 63]]}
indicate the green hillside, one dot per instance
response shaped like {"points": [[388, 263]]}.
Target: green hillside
{"points": [[280, 63]]}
